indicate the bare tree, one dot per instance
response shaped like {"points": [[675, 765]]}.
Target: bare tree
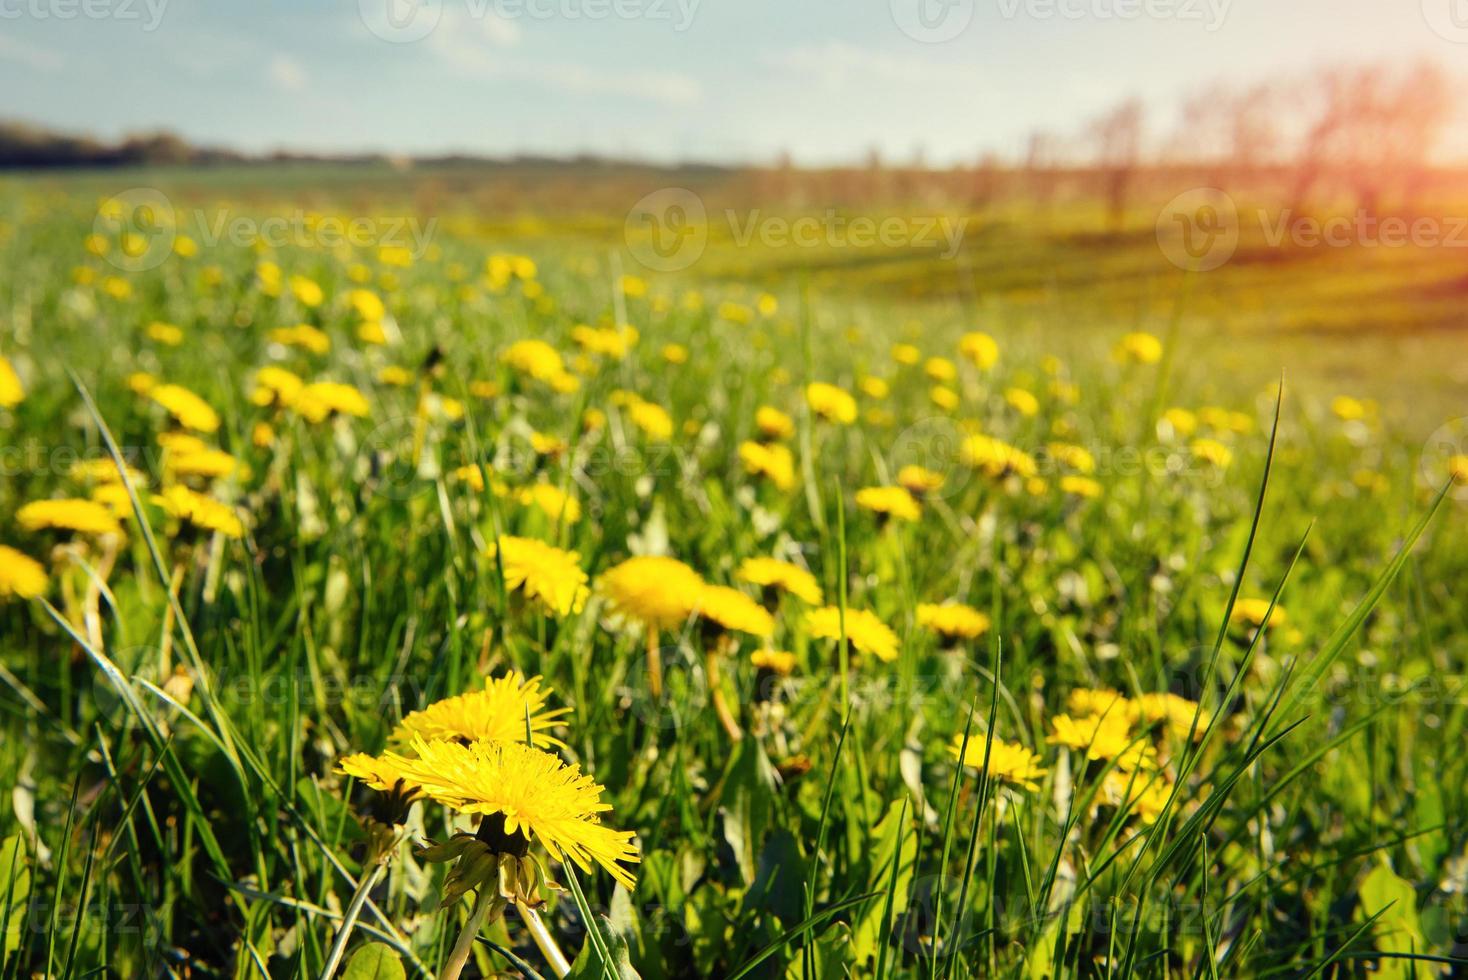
{"points": [[1118, 138]]}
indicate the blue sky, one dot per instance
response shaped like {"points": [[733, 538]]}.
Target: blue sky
{"points": [[668, 79]]}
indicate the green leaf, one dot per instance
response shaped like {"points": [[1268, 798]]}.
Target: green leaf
{"points": [[1397, 930], [748, 795], [15, 890], [890, 833], [375, 961], [589, 965]]}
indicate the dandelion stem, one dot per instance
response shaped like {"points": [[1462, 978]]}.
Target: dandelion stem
{"points": [[485, 907], [349, 920], [654, 664], [716, 695], [559, 965]]}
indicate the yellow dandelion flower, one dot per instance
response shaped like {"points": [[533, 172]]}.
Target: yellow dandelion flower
{"points": [[276, 386], [906, 354], [773, 461], [865, 631], [1213, 452], [1458, 468], [210, 463], [496, 713], [996, 457], [953, 619], [201, 511], [660, 592], [1009, 762], [141, 382], [1254, 611], [165, 333], [101, 470], [191, 411], [367, 304], [778, 662], [1078, 458], [943, 397], [675, 354], [651, 419], [1087, 701], [396, 376], [1138, 348], [484, 389], [181, 443], [919, 480], [535, 358], [318, 400], [889, 502], [771, 573], [20, 575], [874, 388], [1102, 737], [1181, 421], [549, 575], [831, 403], [1143, 796], [773, 423], [733, 611], [552, 501], [262, 436], [306, 291], [1080, 486], [1175, 712], [1022, 401], [80, 516], [304, 336], [980, 349], [372, 332], [538, 796], [940, 369], [12, 392]]}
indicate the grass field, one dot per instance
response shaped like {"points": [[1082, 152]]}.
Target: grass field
{"points": [[1194, 635]]}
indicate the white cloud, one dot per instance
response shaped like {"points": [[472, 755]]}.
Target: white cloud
{"points": [[474, 47], [838, 65], [286, 74], [31, 55]]}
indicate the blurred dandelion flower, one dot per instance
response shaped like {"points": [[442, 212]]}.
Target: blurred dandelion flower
{"points": [[80, 516], [191, 411], [773, 423], [771, 573], [1009, 762], [202, 511], [773, 461], [733, 611], [865, 631], [20, 575], [831, 403], [547, 574], [1138, 348], [889, 502], [953, 619], [980, 349]]}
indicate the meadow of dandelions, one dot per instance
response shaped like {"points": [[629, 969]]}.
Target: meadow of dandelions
{"points": [[488, 613]]}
